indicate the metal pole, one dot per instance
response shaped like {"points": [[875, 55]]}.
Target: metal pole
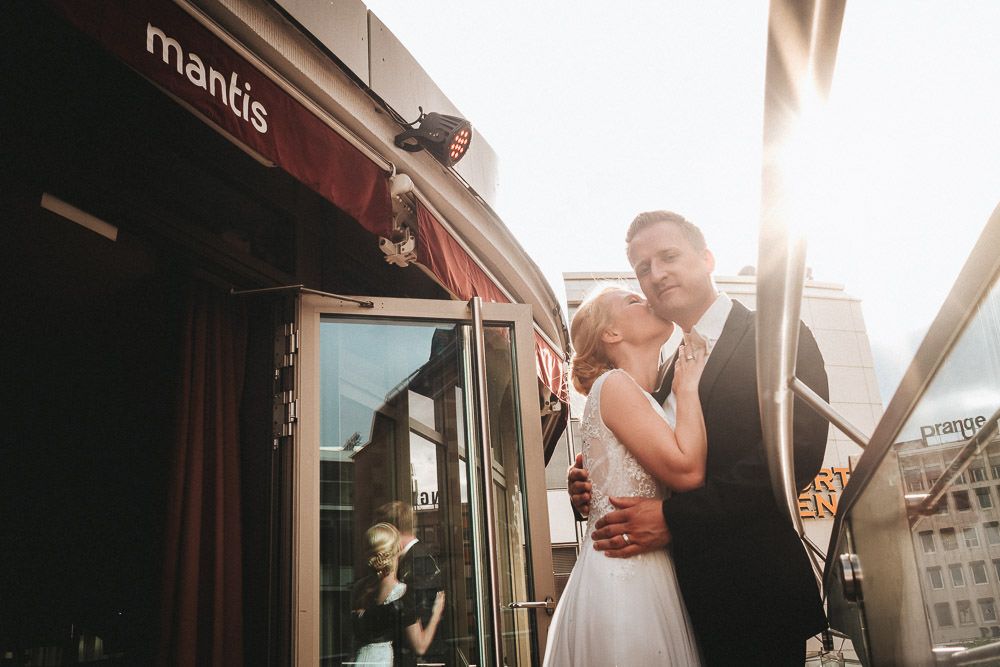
{"points": [[816, 402], [486, 449]]}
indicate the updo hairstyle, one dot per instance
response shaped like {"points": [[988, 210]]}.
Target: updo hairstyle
{"points": [[383, 546], [592, 318]]}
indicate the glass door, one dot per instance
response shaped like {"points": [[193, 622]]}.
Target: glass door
{"points": [[399, 554]]}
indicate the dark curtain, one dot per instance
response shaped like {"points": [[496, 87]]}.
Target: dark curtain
{"points": [[202, 607]]}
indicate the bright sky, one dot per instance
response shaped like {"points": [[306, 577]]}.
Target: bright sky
{"points": [[598, 111]]}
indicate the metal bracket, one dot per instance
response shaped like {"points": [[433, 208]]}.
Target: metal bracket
{"points": [[550, 407], [851, 577], [401, 252]]}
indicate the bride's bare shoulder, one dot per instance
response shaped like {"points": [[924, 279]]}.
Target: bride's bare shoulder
{"points": [[618, 391]]}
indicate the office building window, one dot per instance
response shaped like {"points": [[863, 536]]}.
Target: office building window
{"points": [[988, 609], [996, 567], [942, 504], [959, 479], [927, 541], [977, 474], [996, 470], [948, 539], [932, 475], [992, 531], [984, 498], [965, 615], [971, 537], [978, 571], [914, 480], [943, 612], [935, 579], [961, 499], [957, 575]]}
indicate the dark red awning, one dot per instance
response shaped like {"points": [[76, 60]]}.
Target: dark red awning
{"points": [[445, 257], [166, 45]]}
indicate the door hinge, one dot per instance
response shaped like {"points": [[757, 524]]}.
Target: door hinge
{"points": [[285, 404]]}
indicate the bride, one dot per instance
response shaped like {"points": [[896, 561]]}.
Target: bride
{"points": [[629, 611]]}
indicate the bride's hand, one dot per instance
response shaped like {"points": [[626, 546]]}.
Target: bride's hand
{"points": [[691, 357]]}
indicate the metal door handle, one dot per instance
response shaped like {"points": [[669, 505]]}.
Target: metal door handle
{"points": [[548, 604]]}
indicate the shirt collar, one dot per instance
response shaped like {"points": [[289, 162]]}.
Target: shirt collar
{"points": [[714, 319], [709, 327], [409, 546]]}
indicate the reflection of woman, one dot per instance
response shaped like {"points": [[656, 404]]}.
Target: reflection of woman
{"points": [[384, 616]]}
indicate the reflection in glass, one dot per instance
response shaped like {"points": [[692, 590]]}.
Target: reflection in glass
{"points": [[510, 499], [947, 458], [393, 412], [396, 414]]}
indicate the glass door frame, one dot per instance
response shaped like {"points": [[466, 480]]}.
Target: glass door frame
{"points": [[305, 474]]}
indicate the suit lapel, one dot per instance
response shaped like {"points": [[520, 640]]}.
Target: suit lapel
{"points": [[668, 379], [737, 326]]}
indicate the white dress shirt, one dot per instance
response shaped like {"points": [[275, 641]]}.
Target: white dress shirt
{"points": [[709, 327]]}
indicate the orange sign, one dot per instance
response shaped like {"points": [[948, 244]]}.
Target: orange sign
{"points": [[820, 499]]}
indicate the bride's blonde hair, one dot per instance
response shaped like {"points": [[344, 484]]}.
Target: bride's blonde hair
{"points": [[383, 546], [593, 316]]}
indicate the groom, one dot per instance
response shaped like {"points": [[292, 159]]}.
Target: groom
{"points": [[745, 577]]}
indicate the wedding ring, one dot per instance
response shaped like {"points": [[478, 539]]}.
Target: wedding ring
{"points": [[627, 540]]}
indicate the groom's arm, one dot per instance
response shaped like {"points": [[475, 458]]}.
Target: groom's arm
{"points": [[578, 486], [735, 496], [743, 490]]}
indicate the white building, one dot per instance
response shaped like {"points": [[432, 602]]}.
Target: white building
{"points": [[957, 547]]}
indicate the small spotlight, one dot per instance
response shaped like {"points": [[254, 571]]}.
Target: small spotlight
{"points": [[447, 138]]}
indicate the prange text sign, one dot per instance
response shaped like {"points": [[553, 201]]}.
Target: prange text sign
{"points": [[966, 427], [820, 501]]}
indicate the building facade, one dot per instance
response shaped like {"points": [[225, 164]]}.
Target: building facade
{"points": [[957, 546], [245, 321]]}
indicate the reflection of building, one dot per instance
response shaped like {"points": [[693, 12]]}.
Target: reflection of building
{"points": [[835, 319], [957, 548]]}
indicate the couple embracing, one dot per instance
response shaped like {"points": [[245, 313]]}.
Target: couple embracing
{"points": [[688, 559]]}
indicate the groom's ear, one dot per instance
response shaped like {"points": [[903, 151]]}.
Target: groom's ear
{"points": [[709, 260]]}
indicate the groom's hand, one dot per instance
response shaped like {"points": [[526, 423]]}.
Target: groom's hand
{"points": [[578, 484], [641, 518]]}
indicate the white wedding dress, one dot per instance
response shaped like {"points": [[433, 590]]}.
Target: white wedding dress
{"points": [[615, 611]]}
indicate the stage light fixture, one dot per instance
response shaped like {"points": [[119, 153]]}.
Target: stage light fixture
{"points": [[447, 138]]}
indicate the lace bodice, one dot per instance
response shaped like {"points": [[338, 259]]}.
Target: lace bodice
{"points": [[612, 468]]}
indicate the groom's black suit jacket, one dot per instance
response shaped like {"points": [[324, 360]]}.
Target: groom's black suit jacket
{"points": [[742, 569]]}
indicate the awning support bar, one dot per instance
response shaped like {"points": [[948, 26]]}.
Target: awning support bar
{"points": [[364, 303]]}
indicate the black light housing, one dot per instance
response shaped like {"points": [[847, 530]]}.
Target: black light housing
{"points": [[447, 138]]}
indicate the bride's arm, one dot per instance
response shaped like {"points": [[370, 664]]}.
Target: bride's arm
{"points": [[677, 459]]}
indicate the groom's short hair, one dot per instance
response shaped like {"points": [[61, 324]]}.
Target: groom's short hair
{"points": [[688, 228]]}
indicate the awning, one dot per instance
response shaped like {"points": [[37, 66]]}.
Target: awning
{"points": [[166, 45], [445, 257], [173, 50]]}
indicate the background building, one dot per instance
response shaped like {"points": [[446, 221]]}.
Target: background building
{"points": [[957, 547]]}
